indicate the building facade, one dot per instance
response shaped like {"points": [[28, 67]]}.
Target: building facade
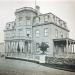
{"points": [[30, 28]]}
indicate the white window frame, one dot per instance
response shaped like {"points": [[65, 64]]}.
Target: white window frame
{"points": [[37, 33], [37, 47], [20, 18], [28, 31], [28, 22], [61, 34], [46, 18], [46, 31], [56, 33], [37, 20]]}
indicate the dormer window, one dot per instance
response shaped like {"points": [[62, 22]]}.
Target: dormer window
{"points": [[46, 18], [52, 18], [60, 22], [37, 20], [20, 18], [7, 26], [64, 25], [28, 32]]}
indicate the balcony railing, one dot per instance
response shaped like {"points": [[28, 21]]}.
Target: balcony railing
{"points": [[18, 38]]}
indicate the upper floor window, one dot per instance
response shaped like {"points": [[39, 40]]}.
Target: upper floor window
{"points": [[61, 34], [28, 21], [28, 32], [46, 31], [56, 33], [37, 33]]}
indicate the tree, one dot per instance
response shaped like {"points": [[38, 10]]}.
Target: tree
{"points": [[18, 48], [43, 47]]}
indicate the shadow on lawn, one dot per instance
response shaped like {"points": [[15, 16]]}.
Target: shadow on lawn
{"points": [[64, 67]]}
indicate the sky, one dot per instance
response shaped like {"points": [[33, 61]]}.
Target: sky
{"points": [[65, 9]]}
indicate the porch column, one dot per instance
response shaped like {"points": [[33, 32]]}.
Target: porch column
{"points": [[73, 47], [5, 49], [67, 47], [15, 47], [24, 46], [70, 48], [53, 50]]}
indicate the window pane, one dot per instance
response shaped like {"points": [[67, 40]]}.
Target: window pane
{"points": [[46, 18], [56, 33], [37, 20], [46, 31], [37, 33], [28, 32], [28, 21], [20, 18], [37, 46], [61, 34]]}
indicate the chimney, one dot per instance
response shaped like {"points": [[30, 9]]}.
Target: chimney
{"points": [[37, 9]]}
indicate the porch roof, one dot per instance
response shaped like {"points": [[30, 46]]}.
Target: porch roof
{"points": [[64, 39]]}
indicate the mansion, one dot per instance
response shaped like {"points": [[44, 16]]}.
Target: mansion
{"points": [[30, 28]]}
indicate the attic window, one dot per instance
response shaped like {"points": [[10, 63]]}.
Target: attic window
{"points": [[20, 18], [37, 20], [9, 25], [46, 17]]}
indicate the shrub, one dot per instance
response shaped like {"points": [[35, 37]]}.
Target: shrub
{"points": [[43, 47]]}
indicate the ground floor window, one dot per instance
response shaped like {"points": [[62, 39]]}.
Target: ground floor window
{"points": [[37, 47]]}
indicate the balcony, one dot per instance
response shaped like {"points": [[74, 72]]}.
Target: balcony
{"points": [[17, 38]]}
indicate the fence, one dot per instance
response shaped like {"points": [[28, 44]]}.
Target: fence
{"points": [[34, 57]]}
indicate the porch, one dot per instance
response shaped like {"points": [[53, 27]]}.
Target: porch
{"points": [[64, 48]]}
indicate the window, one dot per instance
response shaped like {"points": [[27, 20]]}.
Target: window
{"points": [[46, 31], [56, 33], [52, 18], [37, 33], [46, 18], [37, 46], [60, 21], [20, 18], [28, 21], [28, 32], [61, 34], [37, 20]]}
